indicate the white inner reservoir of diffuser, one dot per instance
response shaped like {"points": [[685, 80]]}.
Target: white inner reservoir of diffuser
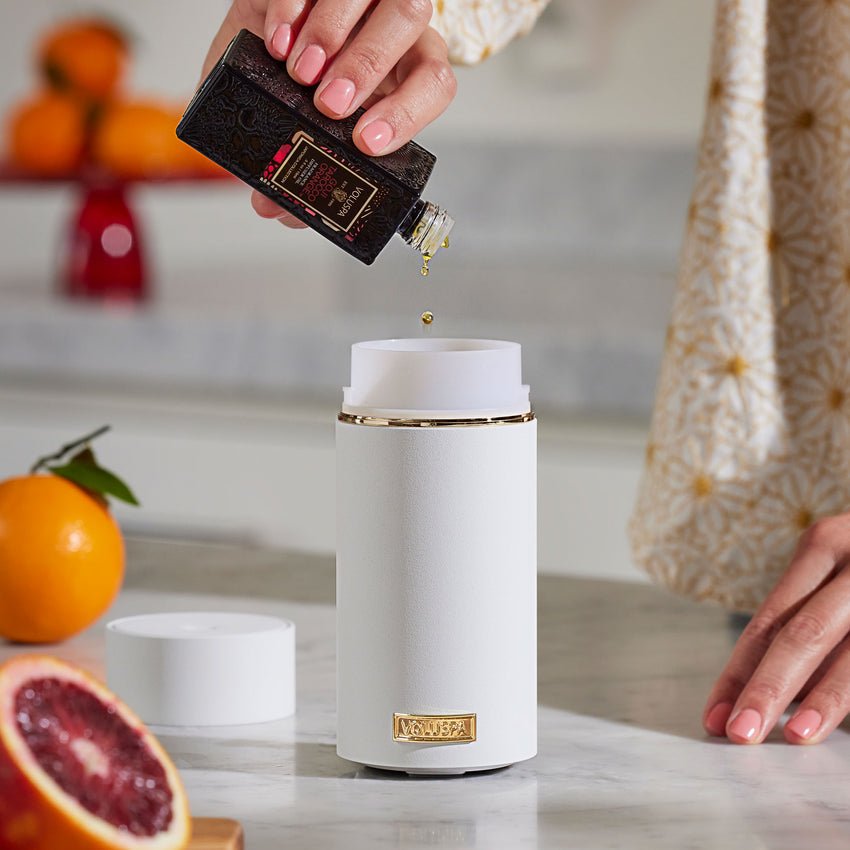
{"points": [[436, 379]]}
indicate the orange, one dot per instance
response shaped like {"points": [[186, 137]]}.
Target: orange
{"points": [[47, 134], [137, 139], [85, 56], [97, 779], [61, 558]]}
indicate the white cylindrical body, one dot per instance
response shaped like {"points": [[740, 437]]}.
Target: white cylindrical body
{"points": [[437, 561]]}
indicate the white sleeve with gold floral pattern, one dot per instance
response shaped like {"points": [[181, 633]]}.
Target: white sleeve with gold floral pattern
{"points": [[475, 29], [750, 439]]}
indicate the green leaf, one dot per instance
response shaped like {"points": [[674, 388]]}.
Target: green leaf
{"points": [[84, 471]]}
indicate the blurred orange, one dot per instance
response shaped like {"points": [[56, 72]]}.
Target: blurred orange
{"points": [[137, 139], [47, 134], [85, 56]]}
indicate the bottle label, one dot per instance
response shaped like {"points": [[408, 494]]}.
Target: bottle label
{"points": [[323, 184]]}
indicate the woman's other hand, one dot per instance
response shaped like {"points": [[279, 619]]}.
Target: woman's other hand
{"points": [[796, 646], [382, 55]]}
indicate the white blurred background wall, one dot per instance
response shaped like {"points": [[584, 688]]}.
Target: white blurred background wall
{"points": [[567, 163]]}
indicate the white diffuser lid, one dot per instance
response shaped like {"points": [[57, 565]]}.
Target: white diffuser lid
{"points": [[436, 379], [203, 668]]}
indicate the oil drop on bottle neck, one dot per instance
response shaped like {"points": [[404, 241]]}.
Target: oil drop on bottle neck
{"points": [[426, 228]]}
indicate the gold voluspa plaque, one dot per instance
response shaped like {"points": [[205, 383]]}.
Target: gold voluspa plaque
{"points": [[434, 728]]}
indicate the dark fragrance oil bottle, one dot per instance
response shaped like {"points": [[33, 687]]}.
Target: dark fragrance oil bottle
{"points": [[253, 119]]}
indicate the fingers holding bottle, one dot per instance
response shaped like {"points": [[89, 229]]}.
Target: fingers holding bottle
{"points": [[267, 208], [426, 87], [283, 20], [370, 57]]}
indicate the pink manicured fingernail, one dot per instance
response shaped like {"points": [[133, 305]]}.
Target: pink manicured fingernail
{"points": [[746, 725], [337, 95], [310, 64], [718, 717], [805, 724], [282, 40], [376, 136]]}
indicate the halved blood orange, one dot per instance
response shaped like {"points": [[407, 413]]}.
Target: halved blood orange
{"points": [[78, 770]]}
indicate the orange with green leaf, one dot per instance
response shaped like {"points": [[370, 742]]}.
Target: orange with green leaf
{"points": [[61, 550]]}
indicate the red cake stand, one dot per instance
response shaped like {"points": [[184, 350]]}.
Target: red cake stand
{"points": [[102, 256]]}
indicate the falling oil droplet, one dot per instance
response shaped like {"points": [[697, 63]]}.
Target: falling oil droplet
{"points": [[445, 243], [427, 317], [426, 258]]}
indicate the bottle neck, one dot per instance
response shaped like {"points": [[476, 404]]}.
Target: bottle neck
{"points": [[426, 228]]}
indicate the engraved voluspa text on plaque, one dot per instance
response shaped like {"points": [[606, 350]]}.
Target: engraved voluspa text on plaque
{"points": [[445, 728]]}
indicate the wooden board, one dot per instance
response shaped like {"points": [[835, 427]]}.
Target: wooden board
{"points": [[216, 834]]}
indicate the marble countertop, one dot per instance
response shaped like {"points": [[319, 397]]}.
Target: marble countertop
{"points": [[622, 762]]}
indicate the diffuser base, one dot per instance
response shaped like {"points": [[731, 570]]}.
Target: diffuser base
{"points": [[437, 771], [451, 771]]}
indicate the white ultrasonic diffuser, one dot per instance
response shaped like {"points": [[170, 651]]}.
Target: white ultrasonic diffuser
{"points": [[436, 557]]}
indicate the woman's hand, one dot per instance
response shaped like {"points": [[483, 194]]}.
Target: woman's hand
{"points": [[797, 645], [382, 55]]}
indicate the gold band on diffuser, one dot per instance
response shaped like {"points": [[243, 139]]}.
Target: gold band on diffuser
{"points": [[352, 419]]}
